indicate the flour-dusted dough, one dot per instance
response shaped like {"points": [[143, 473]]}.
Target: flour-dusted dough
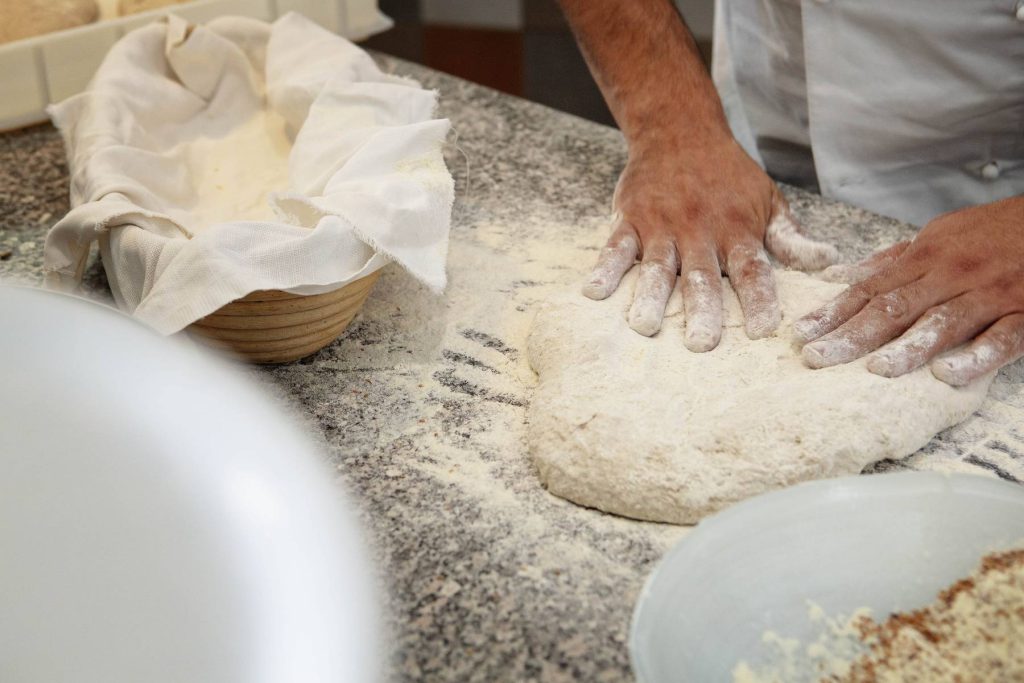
{"points": [[26, 18], [642, 427]]}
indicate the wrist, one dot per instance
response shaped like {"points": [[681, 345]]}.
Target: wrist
{"points": [[675, 118], [692, 137]]}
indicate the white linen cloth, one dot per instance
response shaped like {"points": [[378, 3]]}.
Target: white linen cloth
{"points": [[212, 161], [908, 108]]}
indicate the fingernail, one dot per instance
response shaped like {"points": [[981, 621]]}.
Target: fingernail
{"points": [[829, 255], [644, 321], [763, 324], [837, 273], [951, 370], [700, 339], [596, 289], [882, 364], [823, 354], [813, 356], [806, 329]]}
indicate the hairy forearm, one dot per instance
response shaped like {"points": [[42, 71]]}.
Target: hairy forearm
{"points": [[647, 65]]}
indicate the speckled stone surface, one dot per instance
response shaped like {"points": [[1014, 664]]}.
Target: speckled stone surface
{"points": [[421, 404]]}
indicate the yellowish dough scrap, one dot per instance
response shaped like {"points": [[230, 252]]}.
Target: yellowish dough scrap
{"points": [[125, 7], [28, 18]]}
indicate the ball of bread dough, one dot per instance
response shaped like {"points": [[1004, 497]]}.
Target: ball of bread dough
{"points": [[135, 6], [27, 18]]}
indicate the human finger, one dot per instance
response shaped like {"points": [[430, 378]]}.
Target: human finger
{"points": [[617, 257], [999, 345], [701, 278], [850, 273], [751, 277], [845, 305], [653, 287], [786, 241], [879, 321], [941, 327]]}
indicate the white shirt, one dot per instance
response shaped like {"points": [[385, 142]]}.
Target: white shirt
{"points": [[909, 108]]}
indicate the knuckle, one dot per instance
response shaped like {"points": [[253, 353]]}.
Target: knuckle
{"points": [[1009, 334], [943, 313], [747, 262], [895, 304], [922, 252], [752, 270], [620, 247], [861, 291], [1002, 339], [965, 265], [735, 215], [1006, 285], [661, 254], [892, 253], [623, 233], [702, 274], [701, 280], [694, 211], [659, 268]]}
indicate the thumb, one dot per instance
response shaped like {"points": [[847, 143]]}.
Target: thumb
{"points": [[785, 240]]}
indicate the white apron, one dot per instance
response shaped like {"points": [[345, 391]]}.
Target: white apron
{"points": [[909, 108]]}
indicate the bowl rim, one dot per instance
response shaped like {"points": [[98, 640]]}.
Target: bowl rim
{"points": [[853, 483]]}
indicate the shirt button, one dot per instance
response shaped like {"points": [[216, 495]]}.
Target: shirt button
{"points": [[990, 171]]}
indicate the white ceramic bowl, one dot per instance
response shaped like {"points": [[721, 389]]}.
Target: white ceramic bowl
{"points": [[888, 542], [159, 519]]}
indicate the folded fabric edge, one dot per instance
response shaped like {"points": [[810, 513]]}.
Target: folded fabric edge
{"points": [[281, 202], [177, 320], [67, 246], [229, 274], [435, 286]]}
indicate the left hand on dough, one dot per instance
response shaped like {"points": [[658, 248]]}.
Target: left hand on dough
{"points": [[961, 278]]}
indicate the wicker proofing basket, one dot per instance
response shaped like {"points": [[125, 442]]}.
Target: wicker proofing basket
{"points": [[272, 326]]}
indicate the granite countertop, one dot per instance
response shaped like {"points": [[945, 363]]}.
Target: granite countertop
{"points": [[421, 405]]}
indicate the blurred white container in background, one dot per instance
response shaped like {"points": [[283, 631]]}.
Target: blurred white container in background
{"points": [[160, 520], [45, 69]]}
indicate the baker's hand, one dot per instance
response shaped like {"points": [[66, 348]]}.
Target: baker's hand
{"points": [[701, 211], [961, 279]]}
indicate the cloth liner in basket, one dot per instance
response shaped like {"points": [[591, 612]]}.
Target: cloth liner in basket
{"points": [[217, 160]]}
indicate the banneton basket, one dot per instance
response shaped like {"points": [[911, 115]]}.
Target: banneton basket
{"points": [[272, 326]]}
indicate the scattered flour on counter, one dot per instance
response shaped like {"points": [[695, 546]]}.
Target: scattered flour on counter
{"points": [[462, 363]]}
